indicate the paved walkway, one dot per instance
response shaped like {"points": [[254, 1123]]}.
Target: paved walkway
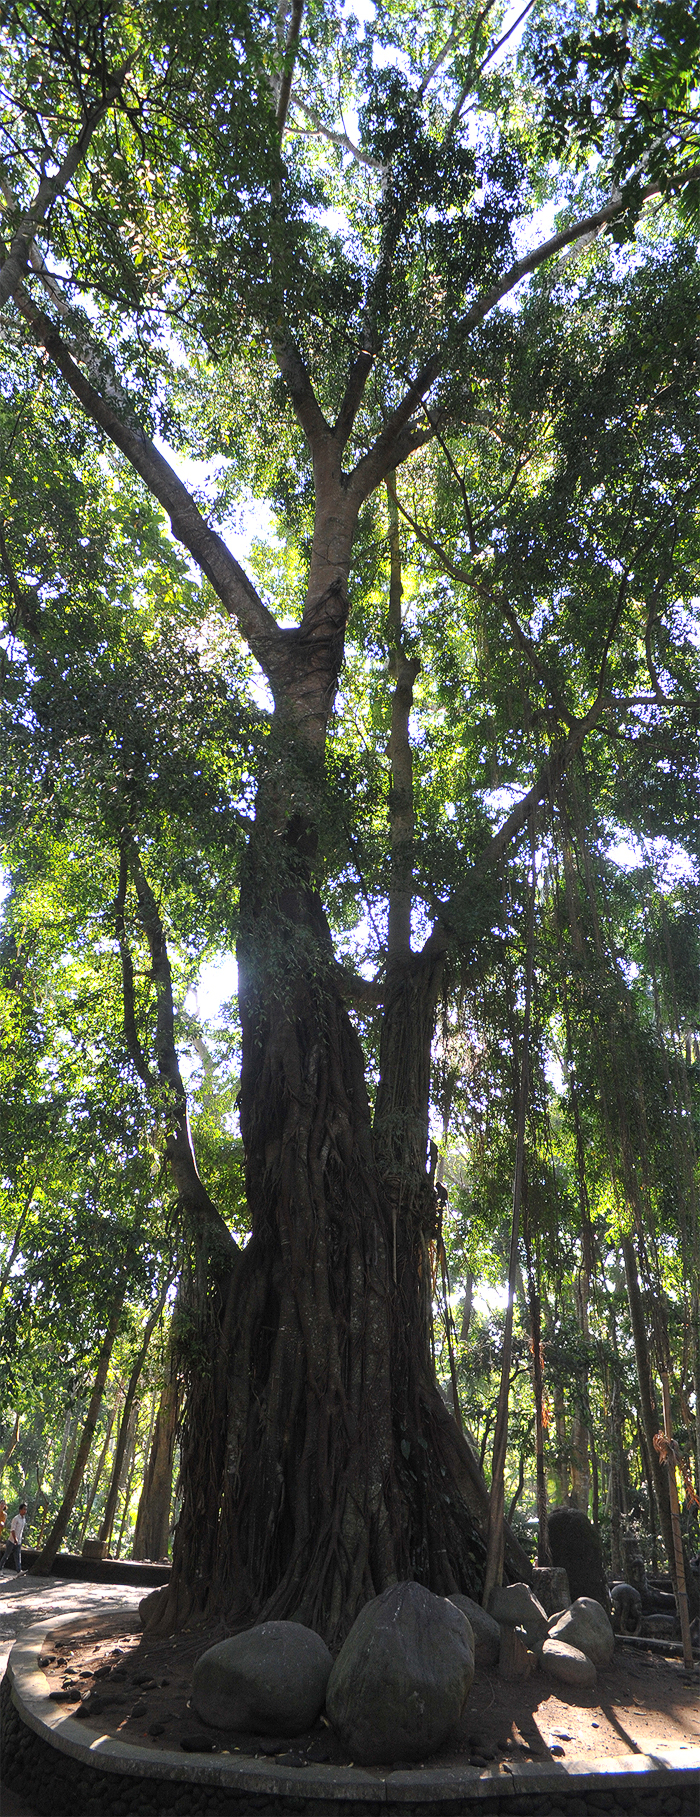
{"points": [[24, 1600]]}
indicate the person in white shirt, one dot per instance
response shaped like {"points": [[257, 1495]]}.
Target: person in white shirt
{"points": [[13, 1550]]}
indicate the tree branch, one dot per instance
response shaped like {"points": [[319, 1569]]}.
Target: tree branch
{"points": [[179, 1147], [341, 139], [354, 393], [229, 580], [50, 188], [307, 409], [374, 466], [545, 784], [130, 1030], [290, 56]]}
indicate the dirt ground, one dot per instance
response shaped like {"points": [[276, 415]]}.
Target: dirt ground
{"points": [[122, 1684]]}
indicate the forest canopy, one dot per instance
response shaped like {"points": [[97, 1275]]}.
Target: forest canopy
{"points": [[350, 567]]}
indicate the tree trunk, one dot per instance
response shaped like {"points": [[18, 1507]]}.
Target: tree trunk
{"points": [[580, 1454], [98, 1473], [152, 1531], [124, 1425], [562, 1470], [128, 1472], [544, 1556], [615, 1486], [42, 1565], [650, 1417], [495, 1545], [11, 1446], [332, 1466]]}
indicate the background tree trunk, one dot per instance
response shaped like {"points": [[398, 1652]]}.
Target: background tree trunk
{"points": [[42, 1565], [152, 1531]]}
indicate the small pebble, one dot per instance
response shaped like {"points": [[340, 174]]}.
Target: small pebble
{"points": [[139, 1709]]}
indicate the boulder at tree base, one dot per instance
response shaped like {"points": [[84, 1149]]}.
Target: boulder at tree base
{"points": [[400, 1682], [271, 1680], [568, 1664], [586, 1626]]}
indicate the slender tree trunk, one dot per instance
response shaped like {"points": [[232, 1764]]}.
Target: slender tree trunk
{"points": [[152, 1531], [467, 1305], [129, 1470], [495, 1536], [43, 1564], [562, 1477], [98, 1474], [134, 1379], [649, 1412], [615, 1486], [11, 1446], [544, 1556]]}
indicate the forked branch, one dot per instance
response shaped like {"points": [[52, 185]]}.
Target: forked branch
{"points": [[228, 579]]}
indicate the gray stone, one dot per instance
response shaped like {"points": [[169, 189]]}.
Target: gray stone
{"points": [[661, 1627], [567, 1663], [150, 1605], [269, 1679], [586, 1626], [514, 1606], [487, 1634], [550, 1585], [574, 1544], [401, 1681]]}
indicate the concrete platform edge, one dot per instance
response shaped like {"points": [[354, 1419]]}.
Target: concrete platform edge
{"points": [[421, 1785]]}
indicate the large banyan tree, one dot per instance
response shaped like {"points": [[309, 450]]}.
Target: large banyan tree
{"points": [[346, 259]]}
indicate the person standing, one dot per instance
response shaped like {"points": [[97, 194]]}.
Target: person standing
{"points": [[13, 1550]]}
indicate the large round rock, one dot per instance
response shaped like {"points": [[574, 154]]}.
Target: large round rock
{"points": [[586, 1626], [400, 1683], [568, 1664], [270, 1680]]}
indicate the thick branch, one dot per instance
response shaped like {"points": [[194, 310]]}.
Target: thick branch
{"points": [[354, 393], [228, 579], [401, 817], [375, 465], [179, 1146], [50, 188], [307, 409], [341, 139], [290, 55]]}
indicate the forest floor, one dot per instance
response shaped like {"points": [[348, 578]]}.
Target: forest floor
{"points": [[139, 1691]]}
